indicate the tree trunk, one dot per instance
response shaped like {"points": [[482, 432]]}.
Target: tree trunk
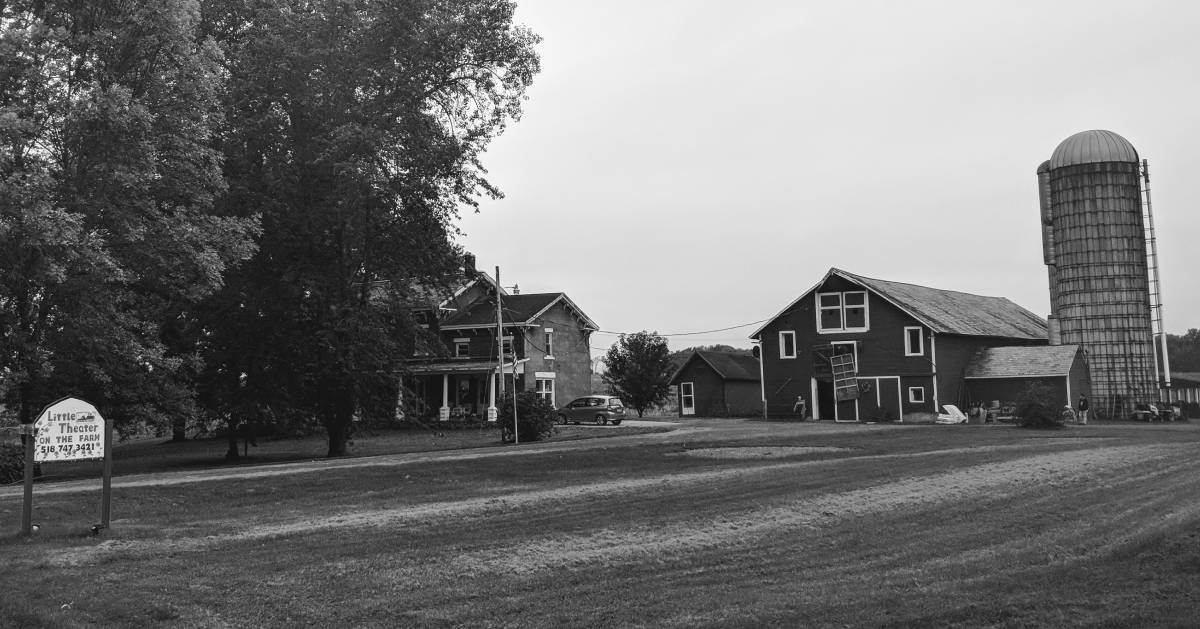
{"points": [[339, 421], [179, 429], [232, 453]]}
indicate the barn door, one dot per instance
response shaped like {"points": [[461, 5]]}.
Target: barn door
{"points": [[879, 398], [687, 399]]}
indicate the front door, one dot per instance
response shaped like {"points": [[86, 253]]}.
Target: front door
{"points": [[687, 399]]}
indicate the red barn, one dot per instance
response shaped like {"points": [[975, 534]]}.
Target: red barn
{"points": [[857, 348]]}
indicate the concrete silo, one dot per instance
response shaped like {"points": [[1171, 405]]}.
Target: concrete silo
{"points": [[1094, 238]]}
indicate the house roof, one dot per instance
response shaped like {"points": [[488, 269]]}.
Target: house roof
{"points": [[945, 311], [1022, 362], [727, 365], [518, 309]]}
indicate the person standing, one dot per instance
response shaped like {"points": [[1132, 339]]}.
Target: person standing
{"points": [[1082, 407], [801, 407]]}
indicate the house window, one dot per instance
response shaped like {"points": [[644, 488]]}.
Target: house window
{"points": [[914, 342], [916, 395], [549, 342], [842, 312], [462, 348], [506, 345], [787, 344], [545, 389]]}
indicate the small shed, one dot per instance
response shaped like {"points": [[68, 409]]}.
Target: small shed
{"points": [[1185, 387], [1001, 373], [718, 384]]}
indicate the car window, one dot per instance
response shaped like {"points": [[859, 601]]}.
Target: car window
{"points": [[615, 402], [578, 403]]}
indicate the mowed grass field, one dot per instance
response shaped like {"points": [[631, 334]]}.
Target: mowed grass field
{"points": [[715, 524]]}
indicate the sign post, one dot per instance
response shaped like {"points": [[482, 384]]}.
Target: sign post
{"points": [[67, 430]]}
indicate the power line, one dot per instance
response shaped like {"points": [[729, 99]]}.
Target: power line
{"points": [[732, 327]]}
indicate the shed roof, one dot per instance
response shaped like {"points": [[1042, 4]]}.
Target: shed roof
{"points": [[1022, 362], [1192, 378], [727, 365], [947, 311]]}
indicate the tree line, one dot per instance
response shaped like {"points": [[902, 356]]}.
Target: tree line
{"points": [[216, 210]]}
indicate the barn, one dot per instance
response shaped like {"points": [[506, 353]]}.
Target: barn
{"points": [[718, 384], [865, 349]]}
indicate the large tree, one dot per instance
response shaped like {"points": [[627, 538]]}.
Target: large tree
{"points": [[356, 132], [108, 115], [638, 369]]}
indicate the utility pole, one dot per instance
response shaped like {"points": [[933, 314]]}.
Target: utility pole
{"points": [[500, 359], [493, 413]]}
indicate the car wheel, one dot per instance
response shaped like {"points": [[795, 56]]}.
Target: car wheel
{"points": [[599, 420], [616, 422], [562, 419]]}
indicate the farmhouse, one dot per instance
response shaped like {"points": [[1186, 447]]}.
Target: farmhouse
{"points": [[545, 340], [718, 384], [858, 348]]}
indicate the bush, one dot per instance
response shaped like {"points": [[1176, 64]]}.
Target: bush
{"points": [[535, 417], [1038, 406], [12, 463]]}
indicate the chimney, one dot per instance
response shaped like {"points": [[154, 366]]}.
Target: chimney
{"points": [[1055, 329], [468, 262]]}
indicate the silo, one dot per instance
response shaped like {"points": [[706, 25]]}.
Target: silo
{"points": [[1094, 242]]}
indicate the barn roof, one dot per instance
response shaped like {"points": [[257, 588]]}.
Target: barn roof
{"points": [[727, 365], [1022, 362], [947, 311], [732, 366], [519, 309]]}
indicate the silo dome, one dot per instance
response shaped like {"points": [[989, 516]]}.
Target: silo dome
{"points": [[1090, 147]]}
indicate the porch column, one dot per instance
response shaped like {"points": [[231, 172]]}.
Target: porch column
{"points": [[491, 412], [444, 412]]}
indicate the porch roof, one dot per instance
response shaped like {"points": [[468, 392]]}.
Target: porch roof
{"points": [[461, 366]]}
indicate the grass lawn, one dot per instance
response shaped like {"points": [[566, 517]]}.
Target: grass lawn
{"points": [[713, 525]]}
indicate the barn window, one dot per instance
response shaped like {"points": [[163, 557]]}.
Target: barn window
{"points": [[842, 312], [914, 342], [916, 395], [787, 344]]}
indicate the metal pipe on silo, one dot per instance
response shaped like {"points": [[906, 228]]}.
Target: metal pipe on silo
{"points": [[1043, 175]]}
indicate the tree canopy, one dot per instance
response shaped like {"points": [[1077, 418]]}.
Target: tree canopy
{"points": [[1184, 350], [109, 112], [355, 131], [639, 369]]}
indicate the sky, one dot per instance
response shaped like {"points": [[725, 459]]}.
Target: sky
{"points": [[683, 166]]}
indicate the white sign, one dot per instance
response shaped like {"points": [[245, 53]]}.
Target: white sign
{"points": [[69, 430]]}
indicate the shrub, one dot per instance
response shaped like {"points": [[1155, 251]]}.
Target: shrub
{"points": [[1038, 406], [12, 463], [535, 417]]}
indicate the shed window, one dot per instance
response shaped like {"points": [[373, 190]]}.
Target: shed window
{"points": [[916, 395], [914, 342], [787, 344], [842, 312]]}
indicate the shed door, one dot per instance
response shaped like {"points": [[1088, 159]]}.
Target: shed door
{"points": [[687, 399]]}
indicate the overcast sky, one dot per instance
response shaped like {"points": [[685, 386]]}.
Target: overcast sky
{"points": [[685, 166]]}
